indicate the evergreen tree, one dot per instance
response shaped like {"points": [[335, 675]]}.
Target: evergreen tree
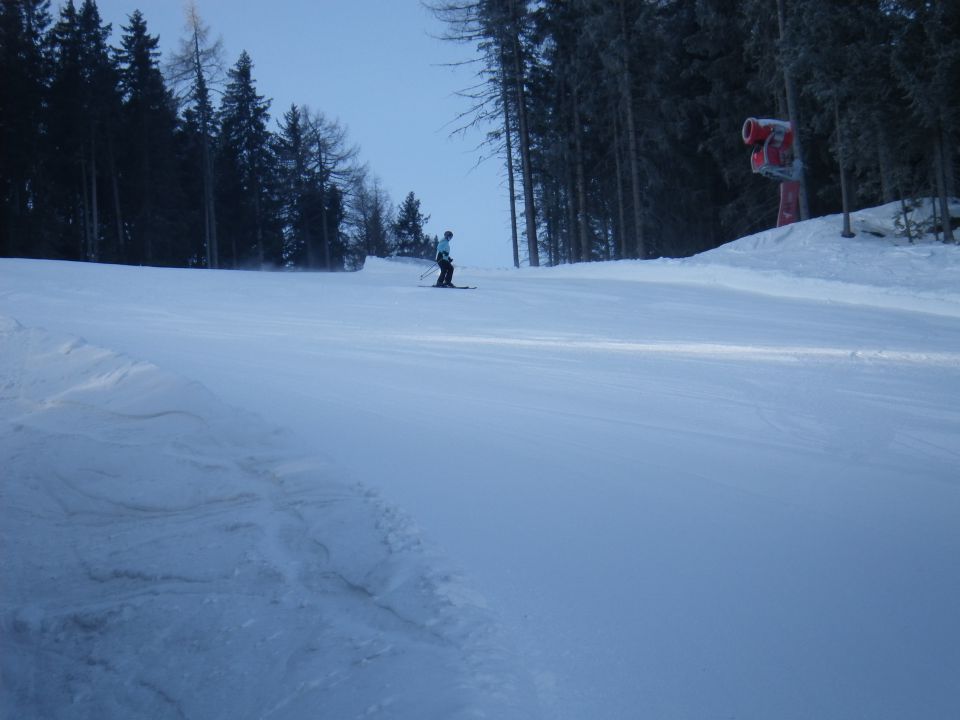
{"points": [[84, 110], [24, 69], [619, 118], [153, 201], [927, 67], [409, 238], [246, 177], [722, 93], [334, 216], [834, 29], [299, 193], [314, 162]]}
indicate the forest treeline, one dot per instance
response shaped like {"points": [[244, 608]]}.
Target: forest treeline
{"points": [[114, 154], [620, 120], [618, 123]]}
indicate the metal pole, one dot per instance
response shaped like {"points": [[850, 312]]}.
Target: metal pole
{"points": [[429, 270]]}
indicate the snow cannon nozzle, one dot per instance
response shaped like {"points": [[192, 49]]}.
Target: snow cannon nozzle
{"points": [[758, 130]]}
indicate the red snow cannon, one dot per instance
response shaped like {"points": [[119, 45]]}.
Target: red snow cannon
{"points": [[772, 142], [772, 157]]}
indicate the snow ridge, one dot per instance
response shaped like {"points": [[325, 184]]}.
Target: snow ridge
{"points": [[136, 509]]}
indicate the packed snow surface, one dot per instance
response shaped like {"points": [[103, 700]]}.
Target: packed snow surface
{"points": [[720, 487]]}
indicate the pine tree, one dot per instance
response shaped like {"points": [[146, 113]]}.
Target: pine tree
{"points": [[409, 238], [64, 120], [927, 68], [153, 201], [24, 67], [84, 110], [247, 172], [298, 189], [820, 49], [722, 95]]}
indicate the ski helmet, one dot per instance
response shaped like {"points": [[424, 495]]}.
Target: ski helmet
{"points": [[448, 234]]}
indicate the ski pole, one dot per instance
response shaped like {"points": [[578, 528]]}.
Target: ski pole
{"points": [[429, 270]]}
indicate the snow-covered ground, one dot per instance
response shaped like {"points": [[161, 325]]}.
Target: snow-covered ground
{"points": [[720, 487]]}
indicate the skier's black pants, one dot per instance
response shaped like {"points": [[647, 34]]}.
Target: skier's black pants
{"points": [[446, 272]]}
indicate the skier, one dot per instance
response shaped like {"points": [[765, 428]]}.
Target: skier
{"points": [[444, 261]]}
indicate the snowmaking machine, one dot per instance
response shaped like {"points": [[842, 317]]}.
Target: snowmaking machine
{"points": [[772, 157]]}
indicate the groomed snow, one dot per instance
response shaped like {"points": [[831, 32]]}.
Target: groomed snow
{"points": [[166, 555], [718, 487]]}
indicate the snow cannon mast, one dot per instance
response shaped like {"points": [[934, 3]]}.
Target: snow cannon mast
{"points": [[772, 157]]}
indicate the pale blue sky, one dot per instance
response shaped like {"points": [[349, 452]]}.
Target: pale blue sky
{"points": [[375, 66]]}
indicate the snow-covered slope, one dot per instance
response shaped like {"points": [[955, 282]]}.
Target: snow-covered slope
{"points": [[810, 260], [166, 555], [718, 487]]}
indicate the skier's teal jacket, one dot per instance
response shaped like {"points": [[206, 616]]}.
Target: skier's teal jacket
{"points": [[443, 250]]}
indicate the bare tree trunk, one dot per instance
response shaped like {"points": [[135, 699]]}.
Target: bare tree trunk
{"points": [[621, 202], [941, 187], [209, 209], [91, 224], [844, 182], [118, 214], [555, 226], [508, 134], [888, 183], [121, 240], [907, 224], [572, 250], [944, 180], [84, 207], [306, 234], [309, 238], [322, 157], [94, 201], [259, 220], [627, 90], [793, 107], [529, 204], [583, 234], [933, 218], [949, 178], [209, 205], [324, 229], [607, 236]]}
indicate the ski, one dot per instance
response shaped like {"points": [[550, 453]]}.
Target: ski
{"points": [[450, 287]]}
